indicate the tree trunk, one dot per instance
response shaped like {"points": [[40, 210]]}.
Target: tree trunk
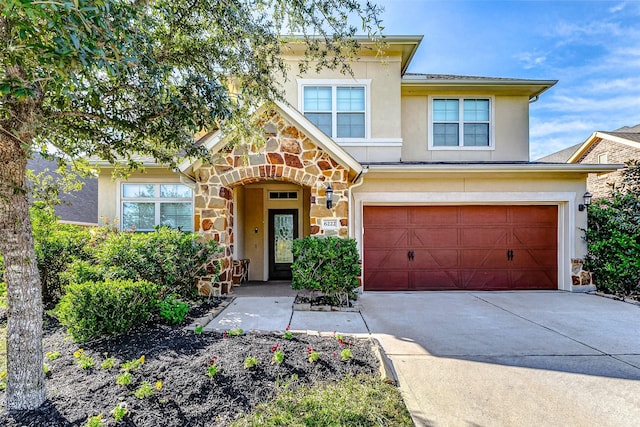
{"points": [[25, 377]]}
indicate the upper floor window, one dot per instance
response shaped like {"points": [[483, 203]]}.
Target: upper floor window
{"points": [[461, 122], [145, 206], [338, 110]]}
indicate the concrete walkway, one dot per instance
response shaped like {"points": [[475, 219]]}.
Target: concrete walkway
{"points": [[487, 358]]}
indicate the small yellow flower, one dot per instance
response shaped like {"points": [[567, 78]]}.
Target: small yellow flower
{"points": [[78, 353], [158, 385], [141, 360]]}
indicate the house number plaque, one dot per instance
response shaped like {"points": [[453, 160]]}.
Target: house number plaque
{"points": [[330, 224]]}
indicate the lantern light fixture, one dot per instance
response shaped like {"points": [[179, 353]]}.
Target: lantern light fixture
{"points": [[587, 201], [329, 196]]}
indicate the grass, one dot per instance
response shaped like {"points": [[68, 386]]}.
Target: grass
{"points": [[352, 401]]}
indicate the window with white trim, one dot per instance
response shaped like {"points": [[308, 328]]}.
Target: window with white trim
{"points": [[337, 110], [144, 206], [460, 122]]}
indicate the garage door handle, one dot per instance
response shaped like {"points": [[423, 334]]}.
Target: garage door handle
{"points": [[410, 255], [510, 255]]}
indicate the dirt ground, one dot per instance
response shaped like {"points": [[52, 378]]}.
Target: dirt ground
{"points": [[175, 367]]}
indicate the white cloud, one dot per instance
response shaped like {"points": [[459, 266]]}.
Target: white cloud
{"points": [[531, 59], [625, 84], [618, 7]]}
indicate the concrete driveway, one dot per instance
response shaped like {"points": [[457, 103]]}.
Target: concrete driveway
{"points": [[511, 358]]}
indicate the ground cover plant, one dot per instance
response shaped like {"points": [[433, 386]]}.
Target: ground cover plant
{"points": [[175, 377]]}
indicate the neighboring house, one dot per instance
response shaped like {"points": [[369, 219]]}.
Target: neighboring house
{"points": [[429, 173], [615, 147], [80, 207]]}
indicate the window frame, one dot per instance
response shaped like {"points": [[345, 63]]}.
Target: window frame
{"points": [[461, 122], [334, 84], [156, 200]]}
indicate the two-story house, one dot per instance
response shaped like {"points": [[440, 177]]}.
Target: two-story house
{"points": [[429, 173]]}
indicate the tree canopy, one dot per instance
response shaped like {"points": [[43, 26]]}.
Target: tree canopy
{"points": [[119, 78], [109, 78]]}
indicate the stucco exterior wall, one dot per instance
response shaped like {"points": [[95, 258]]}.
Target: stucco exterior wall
{"points": [[600, 184], [456, 188], [384, 104], [511, 129]]}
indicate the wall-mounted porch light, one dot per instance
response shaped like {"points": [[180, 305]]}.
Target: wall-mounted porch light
{"points": [[587, 201], [329, 196]]}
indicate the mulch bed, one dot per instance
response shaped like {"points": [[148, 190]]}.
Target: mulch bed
{"points": [[179, 359]]}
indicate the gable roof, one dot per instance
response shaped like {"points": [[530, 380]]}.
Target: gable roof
{"points": [[560, 156], [215, 141], [629, 136]]}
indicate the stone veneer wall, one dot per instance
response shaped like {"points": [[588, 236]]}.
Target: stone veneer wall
{"points": [[600, 184], [287, 155]]}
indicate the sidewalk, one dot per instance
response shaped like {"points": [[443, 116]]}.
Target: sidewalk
{"points": [[276, 313]]}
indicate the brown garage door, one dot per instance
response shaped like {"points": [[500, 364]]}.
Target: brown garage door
{"points": [[460, 247]]}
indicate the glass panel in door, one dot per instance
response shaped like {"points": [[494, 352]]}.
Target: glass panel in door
{"points": [[283, 228]]}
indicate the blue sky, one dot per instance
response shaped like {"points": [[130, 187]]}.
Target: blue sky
{"points": [[591, 47]]}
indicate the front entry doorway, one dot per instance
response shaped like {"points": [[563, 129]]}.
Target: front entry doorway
{"points": [[283, 228]]}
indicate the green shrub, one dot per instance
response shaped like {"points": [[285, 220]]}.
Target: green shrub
{"points": [[89, 310], [330, 265], [613, 237], [171, 258], [56, 245], [173, 310]]}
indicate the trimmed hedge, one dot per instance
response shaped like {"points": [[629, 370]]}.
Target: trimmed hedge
{"points": [[90, 310], [170, 258], [327, 264]]}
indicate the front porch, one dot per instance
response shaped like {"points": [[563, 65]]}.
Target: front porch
{"points": [[254, 200]]}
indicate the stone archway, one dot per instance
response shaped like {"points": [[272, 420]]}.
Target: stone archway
{"points": [[287, 155]]}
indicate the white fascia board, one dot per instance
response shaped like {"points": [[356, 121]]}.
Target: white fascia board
{"points": [[524, 168]]}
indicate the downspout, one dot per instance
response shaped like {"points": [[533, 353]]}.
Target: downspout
{"points": [[534, 99], [355, 185]]}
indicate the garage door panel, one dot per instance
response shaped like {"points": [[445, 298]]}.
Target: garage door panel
{"points": [[390, 280], [523, 259], [534, 237], [436, 280], [483, 237], [388, 238], [380, 259], [483, 215], [384, 216], [489, 280], [534, 279], [435, 237], [442, 258], [479, 258], [538, 215], [433, 215]]}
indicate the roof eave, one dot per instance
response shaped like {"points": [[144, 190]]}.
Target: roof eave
{"points": [[488, 168], [532, 88]]}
